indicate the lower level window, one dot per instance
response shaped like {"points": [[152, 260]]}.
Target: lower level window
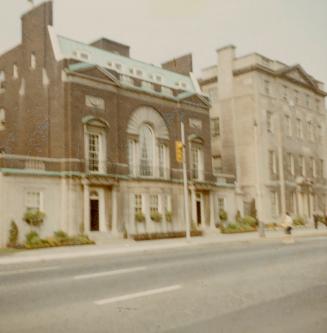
{"points": [[33, 201], [154, 204], [138, 203]]}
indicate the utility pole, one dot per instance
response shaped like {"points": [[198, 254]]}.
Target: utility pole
{"points": [[186, 203]]}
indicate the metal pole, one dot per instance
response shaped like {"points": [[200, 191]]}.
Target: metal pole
{"points": [[186, 206]]}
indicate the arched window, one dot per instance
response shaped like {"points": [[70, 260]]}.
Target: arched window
{"points": [[148, 153], [147, 144], [197, 162]]}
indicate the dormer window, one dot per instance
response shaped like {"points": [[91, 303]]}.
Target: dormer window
{"points": [[2, 81], [109, 63], [167, 91], [131, 71], [118, 67], [15, 71], [139, 73], [33, 61], [151, 77], [159, 78], [82, 55]]}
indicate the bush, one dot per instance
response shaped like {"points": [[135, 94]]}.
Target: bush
{"points": [[249, 220], [223, 216], [156, 217], [299, 221], [238, 216], [13, 234], [169, 216], [165, 235], [60, 234], [33, 238], [237, 228], [34, 217], [139, 217]]}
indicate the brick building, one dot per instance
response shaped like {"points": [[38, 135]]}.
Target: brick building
{"points": [[269, 131], [88, 134]]}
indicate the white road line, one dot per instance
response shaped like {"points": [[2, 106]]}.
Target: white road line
{"points": [[137, 295], [30, 270], [108, 273]]}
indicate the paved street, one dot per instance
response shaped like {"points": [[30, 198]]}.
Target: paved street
{"points": [[245, 287]]}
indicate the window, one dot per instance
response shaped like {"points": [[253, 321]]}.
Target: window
{"points": [[167, 203], [197, 162], [139, 73], [146, 151], [109, 64], [159, 78], [317, 105], [321, 168], [33, 201], [269, 121], [291, 164], [307, 100], [2, 81], [221, 204], [296, 97], [95, 151], [2, 119], [273, 162], [311, 134], [126, 79], [15, 71], [138, 203], [313, 167], [33, 61], [319, 133], [299, 128], [288, 125], [274, 204], [118, 66], [267, 87], [213, 94], [215, 126], [302, 165], [154, 203]]}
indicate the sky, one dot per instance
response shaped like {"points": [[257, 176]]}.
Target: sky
{"points": [[291, 31]]}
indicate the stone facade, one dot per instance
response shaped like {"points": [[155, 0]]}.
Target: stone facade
{"points": [[269, 119], [88, 136]]}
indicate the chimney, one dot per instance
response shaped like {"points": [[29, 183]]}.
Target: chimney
{"points": [[182, 65], [226, 56]]}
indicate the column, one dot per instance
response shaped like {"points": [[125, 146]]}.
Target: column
{"points": [[212, 210], [86, 205], [114, 211], [63, 214]]}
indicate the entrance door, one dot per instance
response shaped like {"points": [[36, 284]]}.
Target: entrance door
{"points": [[198, 209], [94, 214]]}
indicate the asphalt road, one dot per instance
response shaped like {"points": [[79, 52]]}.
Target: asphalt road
{"points": [[261, 287]]}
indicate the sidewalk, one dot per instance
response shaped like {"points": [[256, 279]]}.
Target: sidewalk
{"points": [[129, 246]]}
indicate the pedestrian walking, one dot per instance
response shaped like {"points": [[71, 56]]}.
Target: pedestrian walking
{"points": [[288, 226]]}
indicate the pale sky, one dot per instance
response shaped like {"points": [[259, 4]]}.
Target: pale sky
{"points": [[292, 31]]}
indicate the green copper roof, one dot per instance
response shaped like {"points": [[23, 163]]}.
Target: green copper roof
{"points": [[90, 55]]}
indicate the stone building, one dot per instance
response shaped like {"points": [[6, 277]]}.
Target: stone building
{"points": [[87, 135], [268, 124]]}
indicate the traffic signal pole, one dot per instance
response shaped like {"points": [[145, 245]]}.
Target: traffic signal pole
{"points": [[186, 202]]}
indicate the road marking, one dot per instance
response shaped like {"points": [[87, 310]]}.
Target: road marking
{"points": [[108, 273], [137, 295], [30, 270]]}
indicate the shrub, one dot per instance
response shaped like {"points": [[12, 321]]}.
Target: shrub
{"points": [[13, 234], [60, 234], [238, 216], [139, 217], [249, 220], [165, 235], [223, 216], [299, 221], [33, 238], [169, 216], [237, 228], [156, 217], [34, 217]]}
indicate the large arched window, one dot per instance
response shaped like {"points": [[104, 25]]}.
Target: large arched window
{"points": [[148, 152], [147, 145]]}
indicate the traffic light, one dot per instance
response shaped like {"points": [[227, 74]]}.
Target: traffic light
{"points": [[179, 152]]}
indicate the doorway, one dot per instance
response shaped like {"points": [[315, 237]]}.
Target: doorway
{"points": [[198, 209], [94, 212]]}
